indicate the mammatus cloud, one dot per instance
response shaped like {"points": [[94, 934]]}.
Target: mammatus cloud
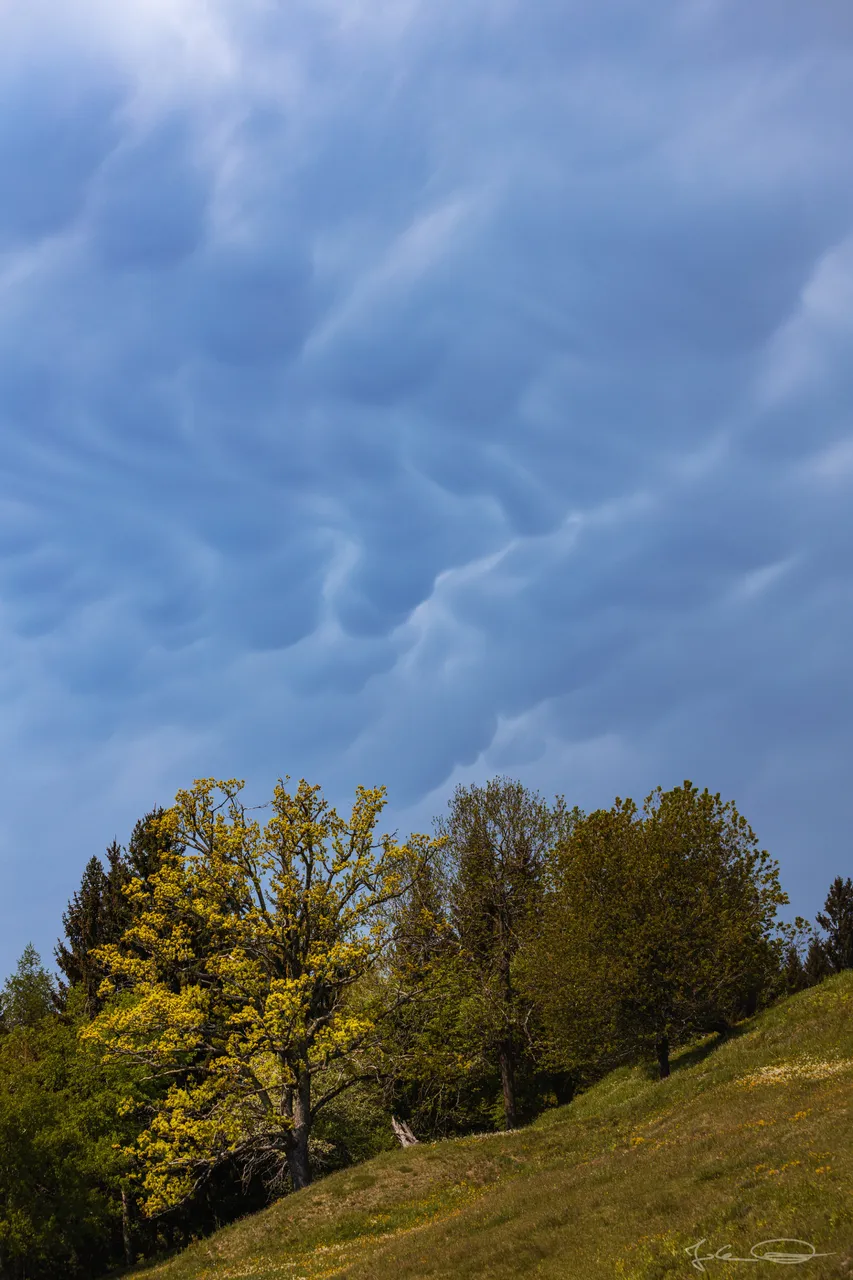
{"points": [[391, 394]]}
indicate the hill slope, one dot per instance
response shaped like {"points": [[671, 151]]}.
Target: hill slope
{"points": [[750, 1139]]}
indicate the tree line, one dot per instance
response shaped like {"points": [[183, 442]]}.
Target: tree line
{"points": [[250, 997]]}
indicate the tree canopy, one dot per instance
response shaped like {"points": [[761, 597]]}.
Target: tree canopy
{"points": [[659, 925], [497, 838], [252, 995], [270, 928]]}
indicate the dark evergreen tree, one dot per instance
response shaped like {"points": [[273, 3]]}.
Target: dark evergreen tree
{"points": [[836, 920], [148, 844], [794, 974], [818, 964], [100, 911]]}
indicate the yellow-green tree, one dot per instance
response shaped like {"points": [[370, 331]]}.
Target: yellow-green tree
{"points": [[238, 982]]}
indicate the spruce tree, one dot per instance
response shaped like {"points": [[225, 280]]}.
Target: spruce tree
{"points": [[836, 920], [794, 973], [818, 964], [100, 911], [97, 914]]}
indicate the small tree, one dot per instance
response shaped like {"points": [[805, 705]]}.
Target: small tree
{"points": [[794, 975], [270, 931], [29, 995], [836, 920], [818, 965]]}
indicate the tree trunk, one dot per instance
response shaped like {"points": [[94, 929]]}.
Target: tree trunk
{"points": [[298, 1163], [125, 1228], [662, 1051], [403, 1133], [505, 1058]]}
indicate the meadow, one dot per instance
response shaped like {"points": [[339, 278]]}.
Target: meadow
{"points": [[749, 1140]]}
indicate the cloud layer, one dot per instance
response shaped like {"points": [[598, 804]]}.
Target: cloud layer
{"points": [[392, 393]]}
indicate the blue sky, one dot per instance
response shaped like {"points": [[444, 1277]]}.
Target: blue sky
{"points": [[407, 392]]}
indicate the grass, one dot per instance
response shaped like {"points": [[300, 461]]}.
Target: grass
{"points": [[751, 1138]]}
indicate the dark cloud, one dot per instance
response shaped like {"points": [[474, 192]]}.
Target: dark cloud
{"points": [[150, 209], [405, 394], [56, 129]]}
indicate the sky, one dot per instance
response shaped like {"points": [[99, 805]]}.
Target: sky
{"points": [[407, 393]]}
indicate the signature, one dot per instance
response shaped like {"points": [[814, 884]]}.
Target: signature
{"points": [[764, 1251]]}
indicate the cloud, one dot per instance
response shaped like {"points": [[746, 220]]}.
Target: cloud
{"points": [[400, 394], [150, 209]]}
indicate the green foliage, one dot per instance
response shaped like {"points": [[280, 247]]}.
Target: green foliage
{"points": [[269, 930], [794, 976], [818, 965], [751, 1138], [434, 1067], [660, 924], [496, 841], [101, 910], [29, 995], [60, 1172], [837, 921], [353, 1127], [245, 1002]]}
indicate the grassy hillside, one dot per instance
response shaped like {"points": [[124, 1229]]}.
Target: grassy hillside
{"points": [[750, 1139]]}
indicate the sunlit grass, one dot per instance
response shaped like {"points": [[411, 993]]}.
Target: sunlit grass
{"points": [[750, 1139]]}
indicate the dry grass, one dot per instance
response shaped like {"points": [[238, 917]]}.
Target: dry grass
{"points": [[750, 1139]]}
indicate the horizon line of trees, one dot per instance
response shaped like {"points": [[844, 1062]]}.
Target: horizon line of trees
{"points": [[246, 1003]]}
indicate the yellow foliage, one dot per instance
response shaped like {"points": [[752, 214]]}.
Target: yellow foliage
{"points": [[238, 981]]}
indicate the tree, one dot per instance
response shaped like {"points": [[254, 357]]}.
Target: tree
{"points": [[435, 1075], [29, 995], [836, 920], [496, 840], [60, 1174], [100, 911], [97, 914], [660, 925], [818, 964], [150, 840], [794, 974], [270, 931]]}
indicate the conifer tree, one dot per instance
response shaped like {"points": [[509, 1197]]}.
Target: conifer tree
{"points": [[836, 920], [100, 910], [29, 995], [97, 914], [818, 965], [794, 974]]}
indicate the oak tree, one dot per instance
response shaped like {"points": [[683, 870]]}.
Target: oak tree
{"points": [[270, 930]]}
